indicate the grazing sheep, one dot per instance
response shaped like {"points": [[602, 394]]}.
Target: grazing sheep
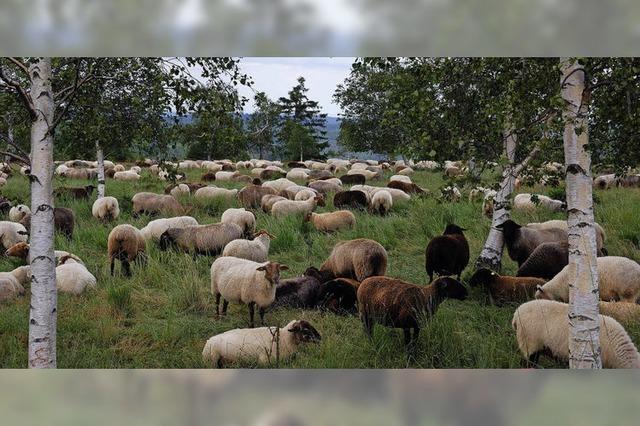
{"points": [[525, 202], [156, 228], [619, 280], [381, 202], [287, 207], [542, 326], [105, 209], [409, 188], [562, 224], [264, 345], [630, 181], [305, 194], [291, 191], [623, 312], [268, 174], [503, 288], [18, 212], [151, 204], [406, 171], [64, 221], [279, 184], [269, 200], [179, 189], [12, 283], [605, 181], [339, 296], [201, 239], [451, 193], [80, 173], [125, 243], [78, 193], [352, 199], [325, 187], [399, 304], [73, 277], [128, 175], [546, 260], [299, 292], [353, 179], [447, 254], [251, 196], [368, 174], [210, 192], [11, 233], [21, 251], [522, 240], [211, 166], [226, 175], [256, 250], [119, 168], [487, 203], [332, 221], [241, 217], [320, 174], [5, 205], [245, 281], [356, 259], [452, 171], [298, 174], [208, 177], [400, 178]]}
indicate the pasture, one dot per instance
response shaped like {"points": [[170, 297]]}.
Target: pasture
{"points": [[162, 316]]}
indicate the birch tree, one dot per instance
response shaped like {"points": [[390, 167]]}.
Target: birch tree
{"points": [[584, 342]]}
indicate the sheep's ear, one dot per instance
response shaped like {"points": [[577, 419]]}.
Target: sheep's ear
{"points": [[539, 288], [261, 268], [295, 327], [283, 267]]}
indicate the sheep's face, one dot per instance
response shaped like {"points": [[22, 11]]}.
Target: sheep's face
{"points": [[482, 276], [304, 332], [272, 271], [166, 241], [509, 227], [453, 229], [541, 294], [450, 288], [320, 201], [20, 250]]}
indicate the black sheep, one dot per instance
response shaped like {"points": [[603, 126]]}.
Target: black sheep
{"points": [[545, 261], [354, 199], [299, 292], [356, 179], [339, 295], [64, 221], [447, 254]]}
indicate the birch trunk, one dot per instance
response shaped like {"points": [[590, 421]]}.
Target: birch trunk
{"points": [[584, 342], [42, 315], [100, 160]]}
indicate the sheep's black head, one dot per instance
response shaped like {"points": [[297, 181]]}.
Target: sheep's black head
{"points": [[482, 276], [166, 240], [541, 294], [509, 228], [304, 332], [256, 181], [272, 271], [321, 276], [453, 229], [449, 288], [89, 189]]}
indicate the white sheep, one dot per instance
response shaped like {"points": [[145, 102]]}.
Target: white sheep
{"points": [[562, 224], [256, 250], [381, 202], [406, 171], [264, 345], [73, 277], [544, 325], [400, 178], [279, 184], [225, 176], [11, 233], [156, 228], [119, 168], [211, 166], [136, 169], [299, 174], [305, 194], [12, 283], [244, 281], [180, 189], [241, 217], [605, 181], [126, 176], [210, 192], [105, 208], [525, 202], [619, 280], [288, 207], [18, 212]]}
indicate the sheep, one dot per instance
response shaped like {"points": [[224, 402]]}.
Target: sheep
{"points": [[225, 175], [381, 202], [291, 191], [128, 175], [267, 174], [64, 220], [12, 283], [339, 296], [605, 181], [201, 239], [487, 203], [400, 178], [264, 345], [356, 259], [447, 254], [78, 193], [298, 174], [319, 174], [451, 171], [156, 228], [211, 166], [73, 277], [208, 177], [284, 208], [305, 194], [299, 292], [525, 202], [406, 171], [151, 204], [503, 288], [353, 179], [5, 205], [542, 326], [619, 280], [623, 312], [180, 189], [119, 168], [399, 304], [353, 199], [245, 281], [105, 209], [269, 200], [522, 240], [368, 175], [80, 173], [256, 250], [241, 217], [21, 251], [18, 212], [332, 221], [562, 224], [630, 181], [251, 196], [546, 260], [210, 192], [125, 243], [324, 187], [409, 188]]}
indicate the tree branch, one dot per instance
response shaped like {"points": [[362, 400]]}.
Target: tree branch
{"points": [[22, 94], [20, 65], [70, 95], [16, 157]]}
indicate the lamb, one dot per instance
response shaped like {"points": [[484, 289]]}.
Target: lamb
{"points": [[156, 228], [210, 192], [399, 304], [619, 280], [381, 202], [332, 221], [525, 202], [18, 212], [245, 281], [542, 326], [78, 193], [447, 254], [623, 312], [241, 217], [409, 188], [128, 175], [12, 283], [265, 345], [106, 209], [356, 259], [251, 196], [353, 199], [287, 207], [127, 244], [64, 221], [21, 251], [256, 250], [522, 240], [546, 260], [353, 179], [201, 239], [269, 200], [503, 288], [150, 203], [73, 277]]}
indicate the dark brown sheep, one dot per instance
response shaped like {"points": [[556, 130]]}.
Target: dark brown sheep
{"points": [[350, 199], [64, 221], [545, 261], [356, 259], [251, 195], [299, 292], [521, 241], [110, 173], [78, 193], [271, 174], [447, 254], [208, 177], [356, 179], [503, 288], [296, 164], [409, 188], [399, 304], [228, 168], [339, 296], [5, 205]]}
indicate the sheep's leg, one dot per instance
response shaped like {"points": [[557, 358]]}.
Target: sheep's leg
{"points": [[112, 265], [407, 337], [368, 326], [218, 304], [126, 267], [225, 304], [533, 360], [251, 314], [262, 311]]}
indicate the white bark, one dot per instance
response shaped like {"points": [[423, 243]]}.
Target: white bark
{"points": [[100, 160], [42, 315], [584, 342]]}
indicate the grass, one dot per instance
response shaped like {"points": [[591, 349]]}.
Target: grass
{"points": [[162, 316]]}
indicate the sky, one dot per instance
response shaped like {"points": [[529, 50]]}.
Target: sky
{"points": [[276, 76]]}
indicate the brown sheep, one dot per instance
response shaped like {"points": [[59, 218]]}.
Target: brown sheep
{"points": [[64, 221], [447, 254], [127, 244], [110, 173], [339, 295], [296, 164], [332, 221], [399, 304], [150, 203], [251, 195], [350, 199], [546, 261], [521, 241], [78, 193], [269, 200], [409, 188], [208, 177], [201, 239], [271, 174], [357, 259], [324, 187], [503, 288]]}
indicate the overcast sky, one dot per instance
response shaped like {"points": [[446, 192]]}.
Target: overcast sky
{"points": [[276, 76]]}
